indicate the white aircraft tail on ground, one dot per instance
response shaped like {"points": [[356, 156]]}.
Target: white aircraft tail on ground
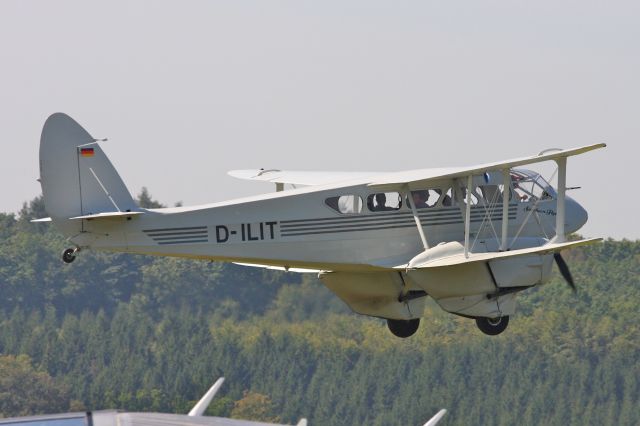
{"points": [[471, 238]]}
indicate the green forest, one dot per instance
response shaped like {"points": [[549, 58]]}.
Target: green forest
{"points": [[152, 334]]}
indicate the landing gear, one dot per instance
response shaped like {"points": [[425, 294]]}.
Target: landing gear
{"points": [[403, 328], [492, 326], [69, 255]]}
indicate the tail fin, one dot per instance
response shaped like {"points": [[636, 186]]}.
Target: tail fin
{"points": [[76, 176]]}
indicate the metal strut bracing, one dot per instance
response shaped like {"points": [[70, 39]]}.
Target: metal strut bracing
{"points": [[423, 238]]}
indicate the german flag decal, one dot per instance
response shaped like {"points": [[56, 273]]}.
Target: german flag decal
{"points": [[86, 152]]}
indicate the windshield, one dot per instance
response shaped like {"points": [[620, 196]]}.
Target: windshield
{"points": [[529, 185]]}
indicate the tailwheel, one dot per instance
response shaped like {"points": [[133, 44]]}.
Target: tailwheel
{"points": [[403, 328], [69, 255], [492, 326]]}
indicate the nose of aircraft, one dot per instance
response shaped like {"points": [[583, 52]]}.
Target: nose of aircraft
{"points": [[575, 215]]}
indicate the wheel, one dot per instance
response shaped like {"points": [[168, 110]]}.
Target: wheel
{"points": [[492, 326], [69, 255], [403, 328]]}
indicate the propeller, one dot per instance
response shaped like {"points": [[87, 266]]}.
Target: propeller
{"points": [[564, 270]]}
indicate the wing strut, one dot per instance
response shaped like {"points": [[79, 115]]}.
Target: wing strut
{"points": [[506, 194], [423, 238], [467, 216], [562, 188]]}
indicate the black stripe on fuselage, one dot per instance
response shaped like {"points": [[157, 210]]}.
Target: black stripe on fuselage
{"points": [[188, 228], [185, 235], [162, 243], [165, 234], [294, 234], [369, 227], [371, 217], [397, 221], [388, 217]]}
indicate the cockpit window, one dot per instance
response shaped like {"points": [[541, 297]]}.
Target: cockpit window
{"points": [[384, 201], [531, 186], [345, 204]]}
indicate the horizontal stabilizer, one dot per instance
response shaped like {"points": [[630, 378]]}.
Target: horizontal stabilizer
{"points": [[106, 215], [448, 256]]}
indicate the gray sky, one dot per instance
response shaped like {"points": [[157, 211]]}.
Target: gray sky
{"points": [[186, 90]]}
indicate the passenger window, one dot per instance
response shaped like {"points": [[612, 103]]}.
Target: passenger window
{"points": [[345, 204], [384, 201], [425, 198], [474, 199], [447, 198]]}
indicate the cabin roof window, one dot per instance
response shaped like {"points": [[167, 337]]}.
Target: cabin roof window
{"points": [[384, 201], [345, 204]]}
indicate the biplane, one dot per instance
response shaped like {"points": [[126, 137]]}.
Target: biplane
{"points": [[470, 238]]}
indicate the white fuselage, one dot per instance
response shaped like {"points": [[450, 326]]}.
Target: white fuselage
{"points": [[297, 229]]}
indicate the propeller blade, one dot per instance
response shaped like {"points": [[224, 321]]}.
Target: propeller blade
{"points": [[564, 270]]}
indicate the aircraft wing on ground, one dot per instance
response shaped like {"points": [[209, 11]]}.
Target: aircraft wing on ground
{"points": [[196, 417], [162, 419], [112, 417]]}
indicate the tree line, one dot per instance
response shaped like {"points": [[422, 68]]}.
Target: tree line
{"points": [[152, 334]]}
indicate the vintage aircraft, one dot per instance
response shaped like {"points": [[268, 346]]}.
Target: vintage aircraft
{"points": [[471, 238]]}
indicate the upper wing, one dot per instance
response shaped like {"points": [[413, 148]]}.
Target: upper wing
{"points": [[300, 177], [416, 178], [423, 176]]}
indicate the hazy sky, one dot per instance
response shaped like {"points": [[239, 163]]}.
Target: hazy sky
{"points": [[186, 90]]}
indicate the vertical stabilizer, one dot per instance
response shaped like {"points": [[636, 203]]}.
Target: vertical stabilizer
{"points": [[76, 176]]}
